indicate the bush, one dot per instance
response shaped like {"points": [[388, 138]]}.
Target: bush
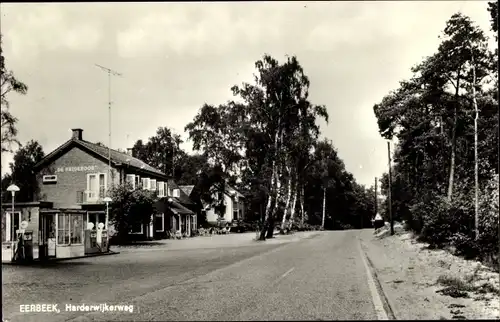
{"points": [[436, 228], [488, 219]]}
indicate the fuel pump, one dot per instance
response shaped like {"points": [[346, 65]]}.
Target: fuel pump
{"points": [[91, 239], [23, 247]]}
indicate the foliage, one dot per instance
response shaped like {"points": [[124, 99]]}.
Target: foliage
{"points": [[130, 207], [432, 117], [8, 83], [22, 173]]}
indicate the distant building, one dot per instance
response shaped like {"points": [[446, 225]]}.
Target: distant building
{"points": [[233, 200]]}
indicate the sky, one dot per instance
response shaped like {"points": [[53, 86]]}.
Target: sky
{"points": [[174, 57]]}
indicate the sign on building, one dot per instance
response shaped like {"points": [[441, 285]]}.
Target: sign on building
{"points": [[76, 169]]}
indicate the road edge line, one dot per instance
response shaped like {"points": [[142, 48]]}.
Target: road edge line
{"points": [[380, 301]]}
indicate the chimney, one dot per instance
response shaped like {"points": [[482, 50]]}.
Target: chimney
{"points": [[77, 134], [129, 151]]}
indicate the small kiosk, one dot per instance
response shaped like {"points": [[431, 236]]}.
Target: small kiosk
{"points": [[63, 234]]}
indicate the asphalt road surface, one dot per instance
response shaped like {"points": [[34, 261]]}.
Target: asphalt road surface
{"points": [[318, 278]]}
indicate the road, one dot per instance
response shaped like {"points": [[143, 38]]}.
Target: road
{"points": [[318, 278]]}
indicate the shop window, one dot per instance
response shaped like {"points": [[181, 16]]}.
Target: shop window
{"points": [[76, 229], [69, 229], [160, 222]]}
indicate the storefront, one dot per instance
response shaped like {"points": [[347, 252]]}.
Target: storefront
{"points": [[63, 233]]}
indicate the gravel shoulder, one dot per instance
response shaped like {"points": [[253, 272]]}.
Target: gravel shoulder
{"points": [[413, 277]]}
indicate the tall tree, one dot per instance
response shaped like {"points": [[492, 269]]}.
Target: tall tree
{"points": [[8, 83], [22, 172]]}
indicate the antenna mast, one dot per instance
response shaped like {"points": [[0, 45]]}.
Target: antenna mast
{"points": [[114, 73]]}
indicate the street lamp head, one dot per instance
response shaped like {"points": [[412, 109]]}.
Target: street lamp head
{"points": [[107, 199], [13, 188]]}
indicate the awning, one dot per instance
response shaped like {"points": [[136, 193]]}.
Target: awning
{"points": [[179, 209], [163, 204]]}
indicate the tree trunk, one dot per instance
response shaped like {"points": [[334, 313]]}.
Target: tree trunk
{"points": [[287, 204], [476, 167], [270, 228], [324, 209], [453, 142], [274, 177], [294, 202], [268, 206], [302, 214]]}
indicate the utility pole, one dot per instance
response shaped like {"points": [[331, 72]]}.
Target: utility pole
{"points": [[390, 187], [324, 208], [376, 197], [114, 73]]}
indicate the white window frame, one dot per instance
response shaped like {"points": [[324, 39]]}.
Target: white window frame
{"points": [[138, 182], [52, 178], [162, 223], [152, 184], [88, 191], [138, 233], [146, 182], [161, 189], [128, 177], [174, 194], [10, 235]]}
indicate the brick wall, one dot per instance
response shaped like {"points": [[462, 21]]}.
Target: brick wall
{"points": [[64, 193]]}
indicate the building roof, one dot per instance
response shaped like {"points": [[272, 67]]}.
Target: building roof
{"points": [[175, 206], [117, 157], [183, 196], [187, 189]]}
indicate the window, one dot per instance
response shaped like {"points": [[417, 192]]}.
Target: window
{"points": [[137, 228], [153, 184], [102, 185], [168, 193], [235, 209], [131, 180], [161, 189], [137, 182], [69, 229], [160, 222], [76, 229], [12, 225], [49, 179], [145, 183], [96, 186], [176, 193]]}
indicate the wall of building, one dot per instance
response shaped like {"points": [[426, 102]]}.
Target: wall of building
{"points": [[71, 170], [29, 214]]}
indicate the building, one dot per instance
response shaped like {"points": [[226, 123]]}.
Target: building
{"points": [[75, 178], [233, 200]]}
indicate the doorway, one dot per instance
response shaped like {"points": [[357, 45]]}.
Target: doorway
{"points": [[48, 233]]}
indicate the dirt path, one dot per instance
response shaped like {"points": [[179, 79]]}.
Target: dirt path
{"points": [[431, 284]]}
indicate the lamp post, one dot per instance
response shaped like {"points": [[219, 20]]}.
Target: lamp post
{"points": [[13, 189], [107, 200]]}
